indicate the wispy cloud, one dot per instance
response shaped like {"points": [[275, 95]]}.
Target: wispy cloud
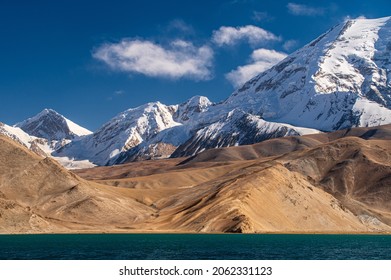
{"points": [[304, 10], [119, 92], [290, 44], [179, 59], [258, 16], [227, 35], [115, 94], [261, 60], [348, 17], [180, 25]]}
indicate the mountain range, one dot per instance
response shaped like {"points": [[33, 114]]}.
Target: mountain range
{"points": [[340, 80], [320, 120]]}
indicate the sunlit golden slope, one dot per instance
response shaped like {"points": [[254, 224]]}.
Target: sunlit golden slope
{"points": [[37, 194], [337, 182], [275, 186]]}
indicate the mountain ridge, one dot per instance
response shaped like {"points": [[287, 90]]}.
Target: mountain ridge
{"points": [[342, 79], [307, 89]]}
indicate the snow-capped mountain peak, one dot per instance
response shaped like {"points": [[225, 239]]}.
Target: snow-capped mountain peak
{"points": [[195, 105], [51, 125], [123, 132], [328, 83], [355, 48], [137, 123]]}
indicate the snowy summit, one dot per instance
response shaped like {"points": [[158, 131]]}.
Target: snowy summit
{"points": [[51, 125]]}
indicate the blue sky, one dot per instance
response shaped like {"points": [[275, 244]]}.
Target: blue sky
{"points": [[90, 60]]}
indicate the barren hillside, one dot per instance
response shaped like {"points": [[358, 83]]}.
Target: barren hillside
{"points": [[337, 182]]}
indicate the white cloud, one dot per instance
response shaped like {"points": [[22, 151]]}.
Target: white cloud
{"points": [[290, 44], [181, 59], [227, 35], [304, 10], [261, 60]]}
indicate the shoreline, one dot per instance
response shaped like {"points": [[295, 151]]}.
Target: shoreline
{"points": [[198, 233]]}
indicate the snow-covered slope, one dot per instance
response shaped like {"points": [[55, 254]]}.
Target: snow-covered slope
{"points": [[187, 116], [188, 111], [50, 125], [155, 130], [125, 131], [341, 79], [234, 129], [18, 135], [41, 146]]}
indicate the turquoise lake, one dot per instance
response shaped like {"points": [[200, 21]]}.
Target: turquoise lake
{"points": [[194, 246]]}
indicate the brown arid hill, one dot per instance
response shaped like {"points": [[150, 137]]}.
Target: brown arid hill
{"points": [[38, 195], [281, 185], [326, 183]]}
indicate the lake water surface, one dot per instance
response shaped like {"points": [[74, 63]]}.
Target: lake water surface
{"points": [[194, 246]]}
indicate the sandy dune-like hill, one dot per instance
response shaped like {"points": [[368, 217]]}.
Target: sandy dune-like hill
{"points": [[331, 183], [38, 195], [291, 184]]}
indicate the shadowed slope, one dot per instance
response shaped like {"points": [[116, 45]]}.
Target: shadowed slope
{"points": [[281, 146], [356, 171]]}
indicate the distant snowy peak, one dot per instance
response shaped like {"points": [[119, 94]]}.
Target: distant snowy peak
{"points": [[195, 105], [51, 125], [41, 146], [234, 129], [329, 83], [139, 123], [153, 130], [122, 133]]}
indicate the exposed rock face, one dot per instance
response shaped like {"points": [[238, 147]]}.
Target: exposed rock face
{"points": [[236, 128]]}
